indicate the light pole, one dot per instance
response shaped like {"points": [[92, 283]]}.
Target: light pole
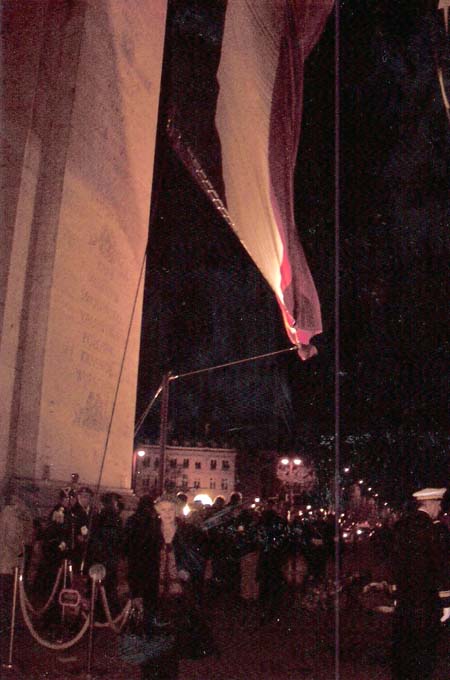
{"points": [[164, 390], [136, 453], [287, 472], [163, 431]]}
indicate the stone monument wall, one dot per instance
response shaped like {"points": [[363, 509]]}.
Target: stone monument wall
{"points": [[81, 83]]}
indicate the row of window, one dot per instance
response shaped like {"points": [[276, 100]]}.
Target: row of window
{"points": [[145, 483], [212, 484], [173, 463]]}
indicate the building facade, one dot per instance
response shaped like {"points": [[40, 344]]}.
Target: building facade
{"points": [[194, 470]]}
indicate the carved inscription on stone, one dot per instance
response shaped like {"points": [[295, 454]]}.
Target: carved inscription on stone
{"points": [[92, 415]]}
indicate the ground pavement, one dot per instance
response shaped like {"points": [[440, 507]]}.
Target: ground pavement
{"points": [[296, 645]]}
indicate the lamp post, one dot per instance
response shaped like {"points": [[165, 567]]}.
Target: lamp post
{"points": [[287, 472], [163, 431], [138, 453]]}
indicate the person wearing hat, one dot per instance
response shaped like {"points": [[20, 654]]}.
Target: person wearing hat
{"points": [[422, 580], [82, 517], [56, 544]]}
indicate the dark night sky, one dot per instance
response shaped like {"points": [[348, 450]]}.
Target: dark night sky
{"points": [[206, 303]]}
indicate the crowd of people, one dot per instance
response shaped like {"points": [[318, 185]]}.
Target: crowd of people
{"points": [[171, 561], [174, 561]]}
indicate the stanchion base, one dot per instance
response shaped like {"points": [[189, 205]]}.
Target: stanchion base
{"points": [[9, 667], [96, 673]]}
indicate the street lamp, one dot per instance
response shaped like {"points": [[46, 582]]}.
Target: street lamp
{"points": [[138, 453], [289, 466]]}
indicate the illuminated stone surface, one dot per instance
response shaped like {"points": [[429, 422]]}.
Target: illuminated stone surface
{"points": [[81, 89]]}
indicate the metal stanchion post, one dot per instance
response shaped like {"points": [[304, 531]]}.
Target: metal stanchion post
{"points": [[9, 664], [70, 574], [97, 573], [91, 629], [63, 609]]}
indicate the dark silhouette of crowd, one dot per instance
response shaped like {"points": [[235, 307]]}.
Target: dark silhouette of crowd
{"points": [[77, 531], [173, 564]]}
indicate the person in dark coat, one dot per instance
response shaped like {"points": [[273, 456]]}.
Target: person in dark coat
{"points": [[217, 543], [165, 569], [55, 548], [226, 562], [422, 581], [317, 550], [106, 545], [140, 549], [273, 554], [82, 515], [55, 545]]}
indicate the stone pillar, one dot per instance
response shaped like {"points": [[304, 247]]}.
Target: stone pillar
{"points": [[80, 93]]}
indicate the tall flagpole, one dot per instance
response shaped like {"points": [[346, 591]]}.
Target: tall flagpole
{"points": [[163, 430]]}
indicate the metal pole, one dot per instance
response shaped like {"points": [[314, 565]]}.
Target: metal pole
{"points": [[163, 430], [133, 472], [9, 665], [71, 574], [63, 609], [91, 628]]}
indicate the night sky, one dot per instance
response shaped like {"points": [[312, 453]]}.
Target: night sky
{"points": [[206, 303]]}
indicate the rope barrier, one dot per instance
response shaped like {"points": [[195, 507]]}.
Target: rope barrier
{"points": [[42, 610], [42, 641], [113, 623]]}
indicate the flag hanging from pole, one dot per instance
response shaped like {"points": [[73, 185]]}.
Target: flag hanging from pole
{"points": [[234, 118]]}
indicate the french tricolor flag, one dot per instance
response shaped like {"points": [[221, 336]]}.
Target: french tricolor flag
{"points": [[235, 118]]}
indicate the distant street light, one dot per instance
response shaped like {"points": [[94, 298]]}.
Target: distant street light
{"points": [[139, 453], [289, 474]]}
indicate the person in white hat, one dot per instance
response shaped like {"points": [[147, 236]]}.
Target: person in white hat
{"points": [[421, 575]]}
